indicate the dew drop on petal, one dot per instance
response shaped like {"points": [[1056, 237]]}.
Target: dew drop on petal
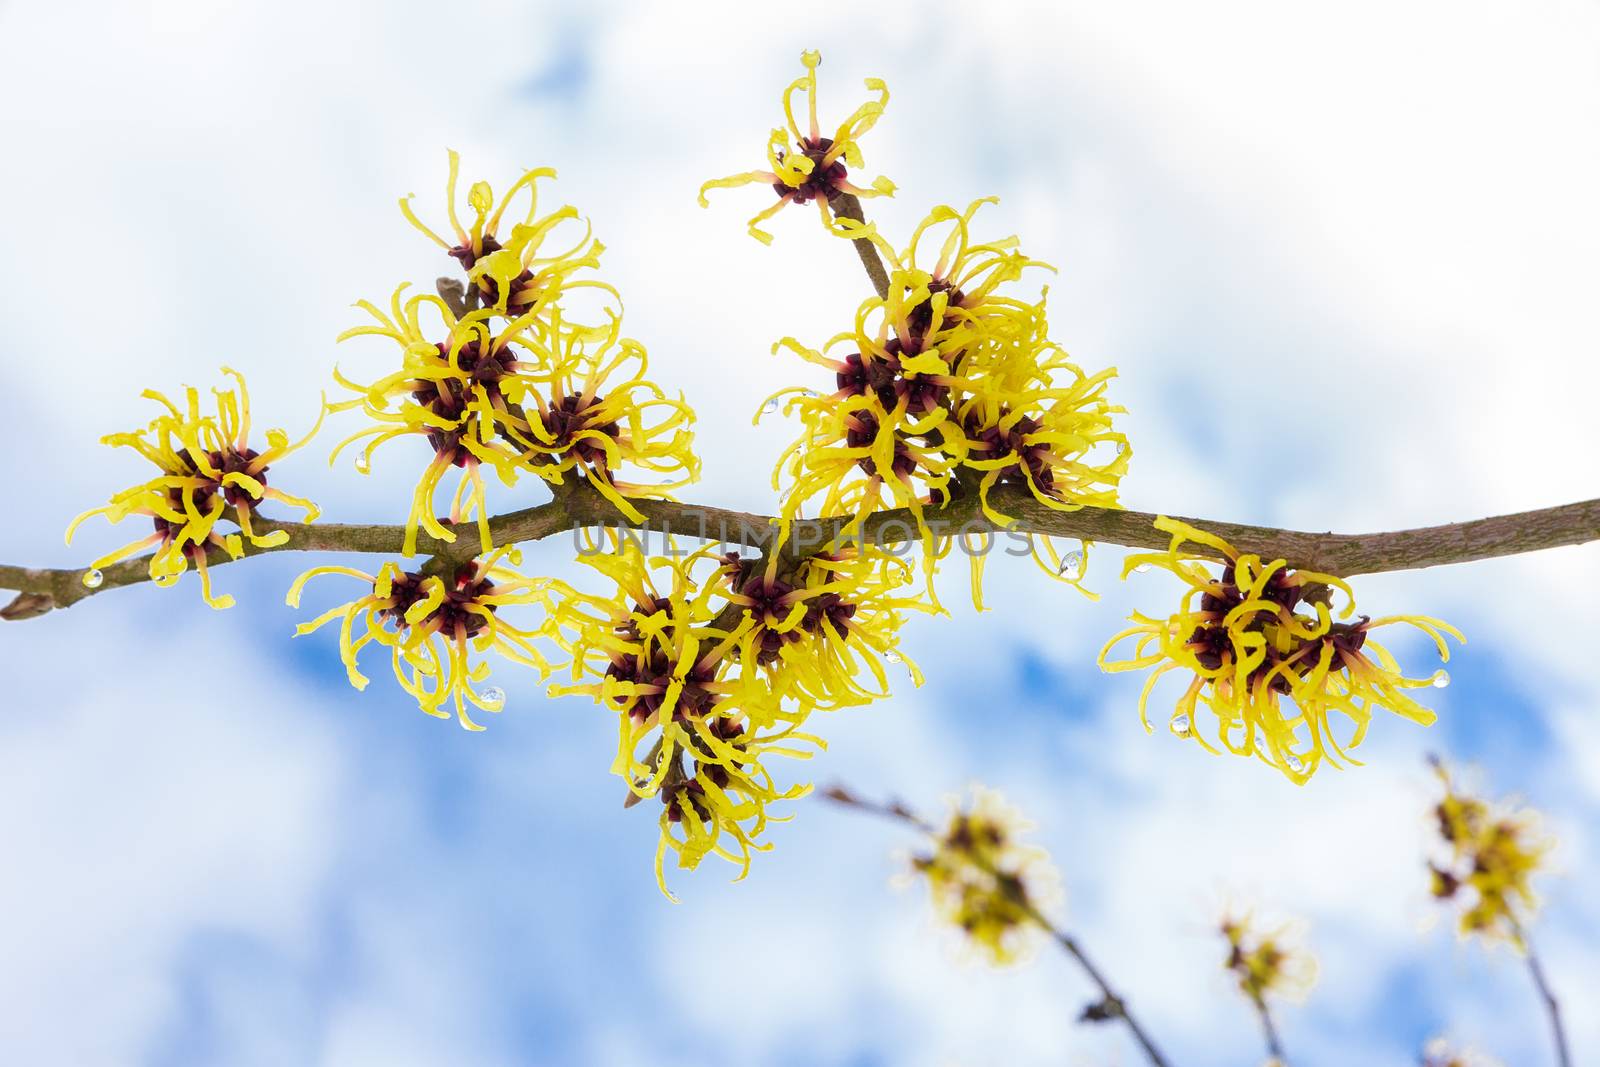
{"points": [[493, 697], [1122, 447], [92, 578], [1071, 566], [1141, 568], [893, 657], [1441, 677], [1179, 726], [363, 463], [771, 407], [1293, 762]]}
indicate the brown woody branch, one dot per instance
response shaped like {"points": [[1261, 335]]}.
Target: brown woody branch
{"points": [[848, 206], [575, 506], [1552, 1004]]}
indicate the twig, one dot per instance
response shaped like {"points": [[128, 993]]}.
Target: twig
{"points": [[1552, 1006], [1270, 1031], [1110, 1005], [850, 207]]}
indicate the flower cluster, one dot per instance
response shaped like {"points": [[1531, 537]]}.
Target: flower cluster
{"points": [[514, 384], [984, 881], [1265, 649], [713, 663], [949, 388], [209, 475], [803, 166], [945, 405], [1267, 964], [437, 626], [1489, 857]]}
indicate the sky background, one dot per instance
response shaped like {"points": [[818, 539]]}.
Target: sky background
{"points": [[1343, 259]]}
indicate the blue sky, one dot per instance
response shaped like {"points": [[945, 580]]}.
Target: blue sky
{"points": [[1344, 263]]}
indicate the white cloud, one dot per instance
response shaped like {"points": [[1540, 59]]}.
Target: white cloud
{"points": [[146, 810]]}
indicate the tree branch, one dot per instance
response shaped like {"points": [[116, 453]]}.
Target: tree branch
{"points": [[576, 505], [1269, 1031], [850, 207], [1552, 1006]]}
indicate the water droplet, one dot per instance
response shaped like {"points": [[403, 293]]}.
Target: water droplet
{"points": [[771, 407], [1441, 678], [811, 394], [1180, 726], [363, 463], [1141, 568], [893, 657], [1071, 566], [92, 578], [1122, 447], [493, 697], [1293, 762]]}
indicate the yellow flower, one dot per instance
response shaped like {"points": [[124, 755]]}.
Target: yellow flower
{"points": [[595, 412], [814, 631], [884, 437], [1269, 964], [984, 881], [805, 166], [658, 651], [946, 389], [532, 396], [1492, 853], [1036, 421], [712, 664], [1028, 414], [719, 805], [960, 298], [514, 274], [460, 393], [209, 474], [435, 627], [1263, 652]]}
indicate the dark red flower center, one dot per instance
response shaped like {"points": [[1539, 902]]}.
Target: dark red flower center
{"points": [[571, 416], [824, 179], [994, 442], [468, 257], [460, 612], [919, 320]]}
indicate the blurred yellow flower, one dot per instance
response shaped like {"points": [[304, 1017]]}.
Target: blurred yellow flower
{"points": [[1263, 652], [1267, 963], [1491, 853], [209, 474], [985, 882], [803, 165], [1440, 1053]]}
